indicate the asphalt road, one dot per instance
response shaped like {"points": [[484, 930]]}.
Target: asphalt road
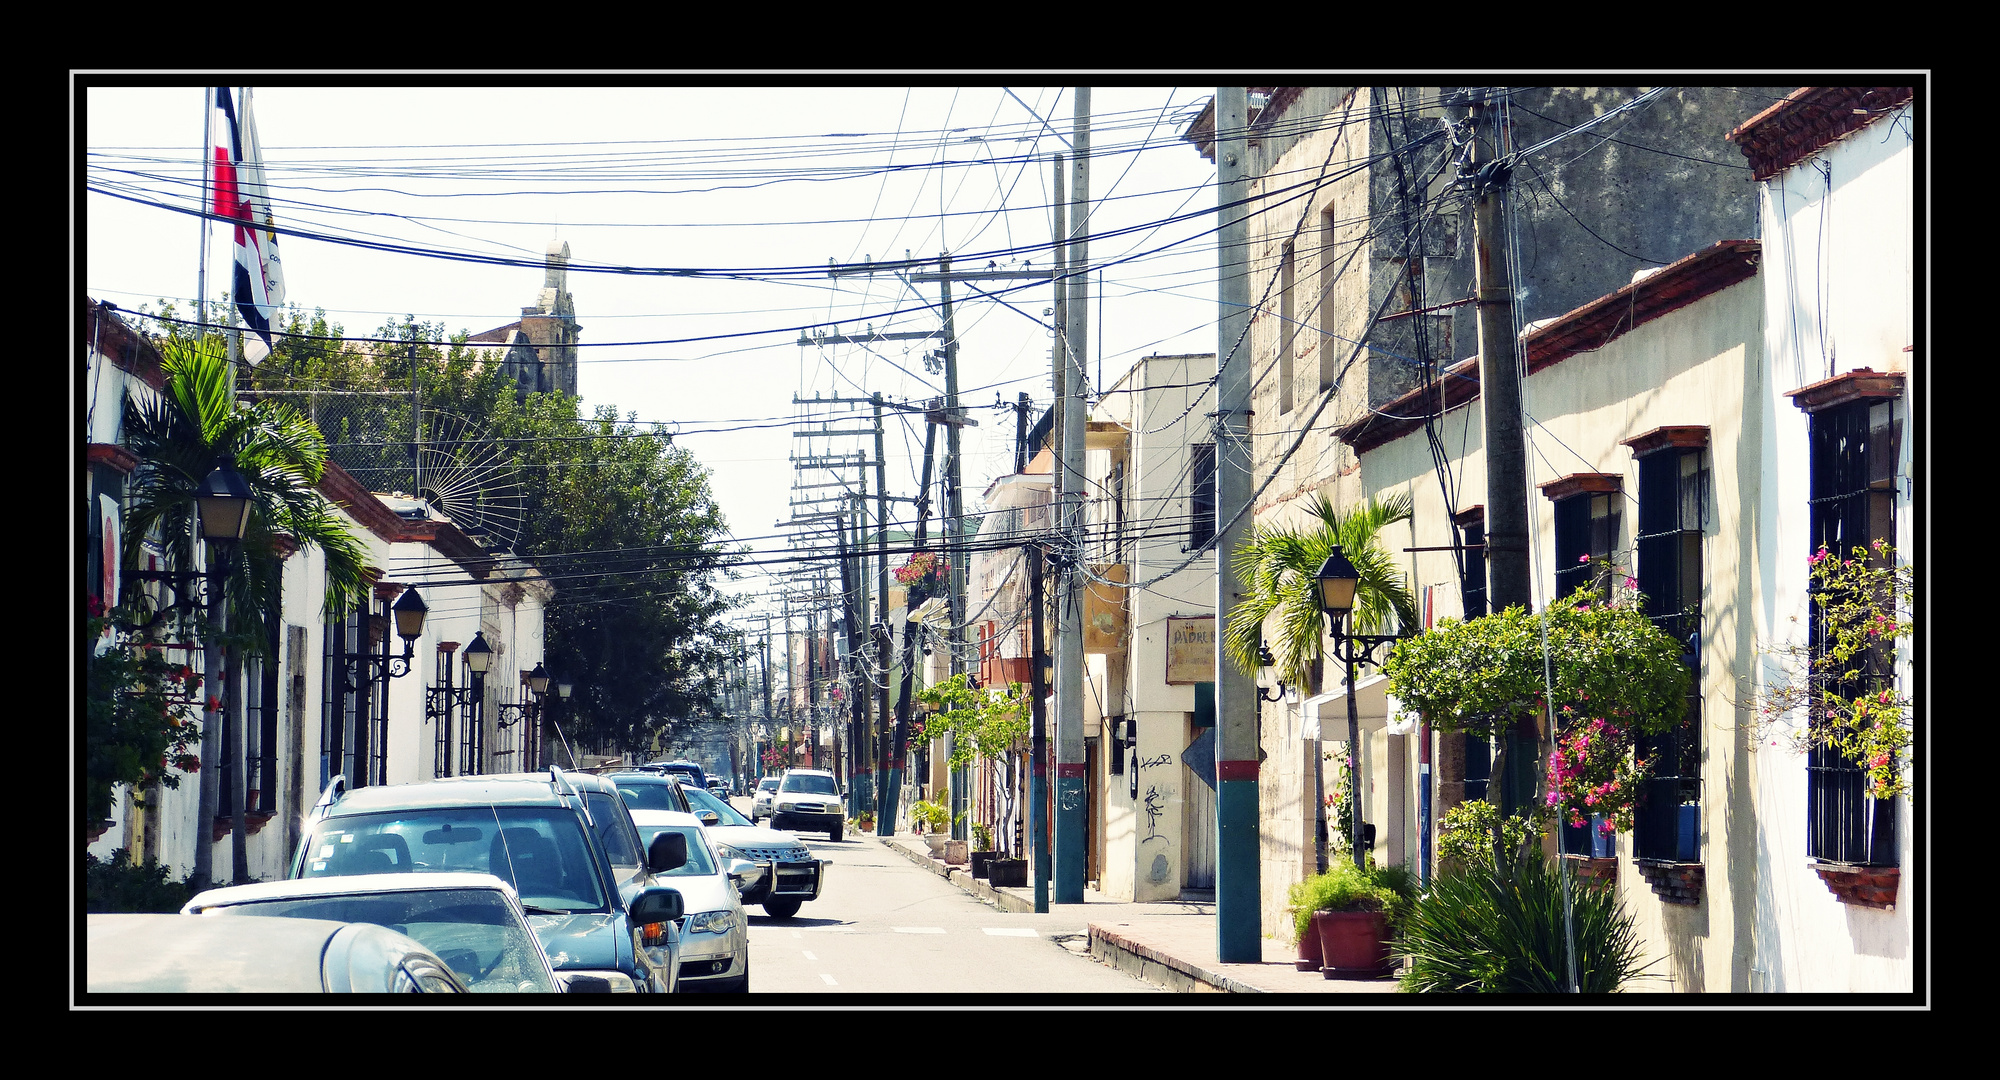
{"points": [[883, 926]]}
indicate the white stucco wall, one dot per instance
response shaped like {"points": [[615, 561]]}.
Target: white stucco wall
{"points": [[1839, 296]]}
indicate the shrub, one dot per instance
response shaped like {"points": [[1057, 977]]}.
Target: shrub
{"points": [[1346, 887], [119, 886], [1481, 932], [1466, 835]]}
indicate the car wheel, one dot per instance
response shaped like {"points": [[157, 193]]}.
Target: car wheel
{"points": [[783, 908]]}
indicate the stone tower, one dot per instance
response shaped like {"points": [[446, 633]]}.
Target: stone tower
{"points": [[540, 350]]}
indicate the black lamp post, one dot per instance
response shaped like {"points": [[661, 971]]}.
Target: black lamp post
{"points": [[1269, 686], [442, 700], [1337, 579], [514, 712]]}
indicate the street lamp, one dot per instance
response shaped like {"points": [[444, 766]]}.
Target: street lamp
{"points": [[442, 700], [1269, 687], [224, 503], [511, 713], [1337, 580]]}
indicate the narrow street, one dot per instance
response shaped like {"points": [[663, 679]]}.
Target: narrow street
{"points": [[883, 926]]}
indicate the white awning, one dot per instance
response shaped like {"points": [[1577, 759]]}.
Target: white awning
{"points": [[1326, 714]]}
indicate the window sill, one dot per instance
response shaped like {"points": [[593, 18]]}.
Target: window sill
{"points": [[1596, 869], [1673, 882], [1863, 886]]}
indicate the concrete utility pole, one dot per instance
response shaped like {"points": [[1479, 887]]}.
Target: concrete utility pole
{"points": [[1237, 874], [1509, 579], [1071, 798], [1038, 758]]}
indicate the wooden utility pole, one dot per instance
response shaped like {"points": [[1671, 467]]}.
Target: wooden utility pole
{"points": [[1509, 579], [885, 818]]}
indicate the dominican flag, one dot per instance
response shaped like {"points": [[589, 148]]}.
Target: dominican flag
{"points": [[241, 196]]}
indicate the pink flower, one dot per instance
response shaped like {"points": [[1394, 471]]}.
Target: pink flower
{"points": [[1606, 828], [1878, 761]]}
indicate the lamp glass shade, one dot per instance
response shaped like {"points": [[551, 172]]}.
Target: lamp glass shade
{"points": [[224, 498], [538, 679], [410, 610], [1336, 579], [478, 655], [563, 689]]}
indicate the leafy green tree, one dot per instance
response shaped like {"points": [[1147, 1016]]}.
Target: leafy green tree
{"points": [[989, 723], [1277, 567]]}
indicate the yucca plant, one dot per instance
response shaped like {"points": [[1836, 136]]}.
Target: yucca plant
{"points": [[1478, 931]]}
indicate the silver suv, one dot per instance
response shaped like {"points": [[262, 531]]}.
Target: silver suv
{"points": [[808, 800], [760, 803]]}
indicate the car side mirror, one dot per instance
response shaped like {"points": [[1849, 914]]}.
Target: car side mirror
{"points": [[658, 904], [586, 984], [668, 851], [745, 874], [707, 817]]}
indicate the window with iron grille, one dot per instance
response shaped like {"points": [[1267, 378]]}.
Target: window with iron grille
{"points": [[1472, 563], [1586, 537], [1201, 503], [1673, 494], [1853, 451]]}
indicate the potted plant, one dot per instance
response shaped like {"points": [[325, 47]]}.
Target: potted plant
{"points": [[982, 849], [925, 576], [1353, 912], [933, 820]]}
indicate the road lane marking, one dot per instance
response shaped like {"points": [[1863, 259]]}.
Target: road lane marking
{"points": [[918, 929], [829, 979], [809, 955], [1010, 931], [828, 930]]}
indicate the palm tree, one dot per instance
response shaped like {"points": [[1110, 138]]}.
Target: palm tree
{"points": [[178, 439], [1278, 566]]}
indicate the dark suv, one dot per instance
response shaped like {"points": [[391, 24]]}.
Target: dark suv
{"points": [[564, 841]]}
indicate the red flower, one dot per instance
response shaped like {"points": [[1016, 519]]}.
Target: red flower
{"points": [[95, 606], [214, 704]]}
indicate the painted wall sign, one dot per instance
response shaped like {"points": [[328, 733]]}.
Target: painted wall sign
{"points": [[1190, 650]]}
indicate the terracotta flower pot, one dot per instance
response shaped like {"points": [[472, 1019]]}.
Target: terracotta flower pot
{"points": [[1353, 944], [1310, 955]]}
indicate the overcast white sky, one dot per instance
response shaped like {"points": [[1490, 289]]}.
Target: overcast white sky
{"points": [[690, 177]]}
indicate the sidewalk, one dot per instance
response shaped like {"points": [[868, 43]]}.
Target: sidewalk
{"points": [[1172, 944]]}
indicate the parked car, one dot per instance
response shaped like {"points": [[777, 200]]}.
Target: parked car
{"points": [[789, 875], [718, 787], [473, 922], [715, 934], [180, 954], [681, 768], [808, 800], [597, 912], [760, 802], [650, 789]]}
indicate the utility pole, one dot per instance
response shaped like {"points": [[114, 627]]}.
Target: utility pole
{"points": [[954, 495], [885, 818], [1038, 756], [1237, 874], [1072, 800], [879, 631], [1509, 580], [1044, 833]]}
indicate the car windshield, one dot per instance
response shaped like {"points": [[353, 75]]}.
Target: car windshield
{"points": [[768, 784], [645, 795], [541, 851], [698, 864], [472, 930], [702, 800], [809, 784]]}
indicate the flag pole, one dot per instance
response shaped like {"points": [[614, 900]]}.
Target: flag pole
{"points": [[207, 203]]}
